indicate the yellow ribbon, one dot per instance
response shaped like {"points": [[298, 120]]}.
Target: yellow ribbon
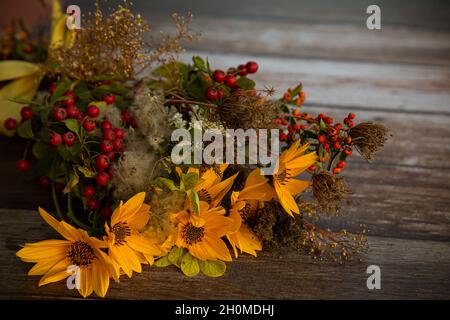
{"points": [[26, 76]]}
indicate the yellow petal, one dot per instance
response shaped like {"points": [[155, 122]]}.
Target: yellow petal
{"points": [[57, 273], [42, 251], [100, 278], [141, 244], [14, 69], [58, 32], [86, 286], [286, 200], [294, 186], [128, 209]]}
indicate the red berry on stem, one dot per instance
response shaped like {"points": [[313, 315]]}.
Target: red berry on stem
{"points": [[351, 116], [211, 94], [92, 204], [93, 111], [230, 81], [44, 181], [71, 94], [106, 146], [109, 98], [69, 102], [322, 139], [117, 144], [22, 165], [106, 212], [336, 170], [111, 155], [242, 70], [89, 191], [341, 164], [220, 94], [72, 112], [106, 125], [69, 138], [219, 76], [348, 151], [283, 136], [312, 168], [120, 134], [102, 179], [102, 162], [59, 114], [10, 124], [337, 145], [55, 139], [125, 116], [88, 125], [109, 134], [350, 124], [26, 113], [252, 67]]}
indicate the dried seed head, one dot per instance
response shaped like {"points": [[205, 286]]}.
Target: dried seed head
{"points": [[329, 191], [368, 138]]}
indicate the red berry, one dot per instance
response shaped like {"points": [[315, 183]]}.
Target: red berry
{"points": [[351, 116], [219, 76], [348, 151], [302, 127], [102, 179], [211, 94], [322, 139], [346, 120], [109, 134], [296, 127], [253, 92], [93, 111], [252, 67], [125, 116], [326, 146], [55, 139], [242, 70], [71, 94], [44, 181], [312, 168], [69, 138], [120, 134], [117, 144], [341, 164], [283, 136], [59, 114], [92, 204], [133, 122], [329, 121], [22, 165], [89, 191], [109, 98], [26, 113], [336, 170], [106, 146], [230, 81], [69, 102], [10, 124], [220, 94], [350, 124], [106, 125], [106, 212], [72, 112], [337, 145], [88, 125], [102, 162], [52, 88]]}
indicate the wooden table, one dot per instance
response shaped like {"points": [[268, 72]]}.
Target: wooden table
{"points": [[399, 75]]}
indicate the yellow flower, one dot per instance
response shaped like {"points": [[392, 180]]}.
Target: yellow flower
{"points": [[291, 163], [211, 189], [201, 233], [127, 247], [243, 205], [53, 258]]}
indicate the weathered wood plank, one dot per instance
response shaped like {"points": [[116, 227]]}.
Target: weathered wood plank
{"points": [[351, 84], [409, 269]]}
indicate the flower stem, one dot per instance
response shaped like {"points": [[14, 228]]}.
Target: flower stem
{"points": [[54, 197]]}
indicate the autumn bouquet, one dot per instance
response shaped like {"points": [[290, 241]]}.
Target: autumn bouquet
{"points": [[103, 109]]}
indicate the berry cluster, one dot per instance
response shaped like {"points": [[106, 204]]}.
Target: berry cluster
{"points": [[222, 82]]}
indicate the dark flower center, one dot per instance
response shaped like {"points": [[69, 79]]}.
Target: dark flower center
{"points": [[81, 254], [121, 230], [192, 234], [204, 195], [245, 212]]}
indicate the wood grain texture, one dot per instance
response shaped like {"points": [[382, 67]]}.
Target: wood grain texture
{"points": [[281, 274]]}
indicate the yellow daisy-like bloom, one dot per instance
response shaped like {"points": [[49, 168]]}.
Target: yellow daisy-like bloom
{"points": [[243, 205], [201, 233], [127, 247], [291, 163], [210, 188], [54, 257]]}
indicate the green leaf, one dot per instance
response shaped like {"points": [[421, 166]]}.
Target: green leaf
{"points": [[25, 130], [189, 180], [61, 88], [72, 125], [74, 179], [196, 88], [189, 265], [213, 268], [297, 90], [199, 63], [164, 182], [195, 201], [175, 255], [163, 262], [322, 125], [41, 150], [245, 83], [64, 153]]}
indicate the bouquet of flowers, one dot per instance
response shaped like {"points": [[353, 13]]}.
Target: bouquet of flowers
{"points": [[103, 109]]}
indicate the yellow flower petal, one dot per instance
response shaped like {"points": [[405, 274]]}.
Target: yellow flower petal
{"points": [[14, 69]]}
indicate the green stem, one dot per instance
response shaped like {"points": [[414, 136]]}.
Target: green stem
{"points": [[330, 163], [71, 215], [54, 197]]}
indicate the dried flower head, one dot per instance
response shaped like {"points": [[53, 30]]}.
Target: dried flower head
{"points": [[329, 191], [369, 137]]}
